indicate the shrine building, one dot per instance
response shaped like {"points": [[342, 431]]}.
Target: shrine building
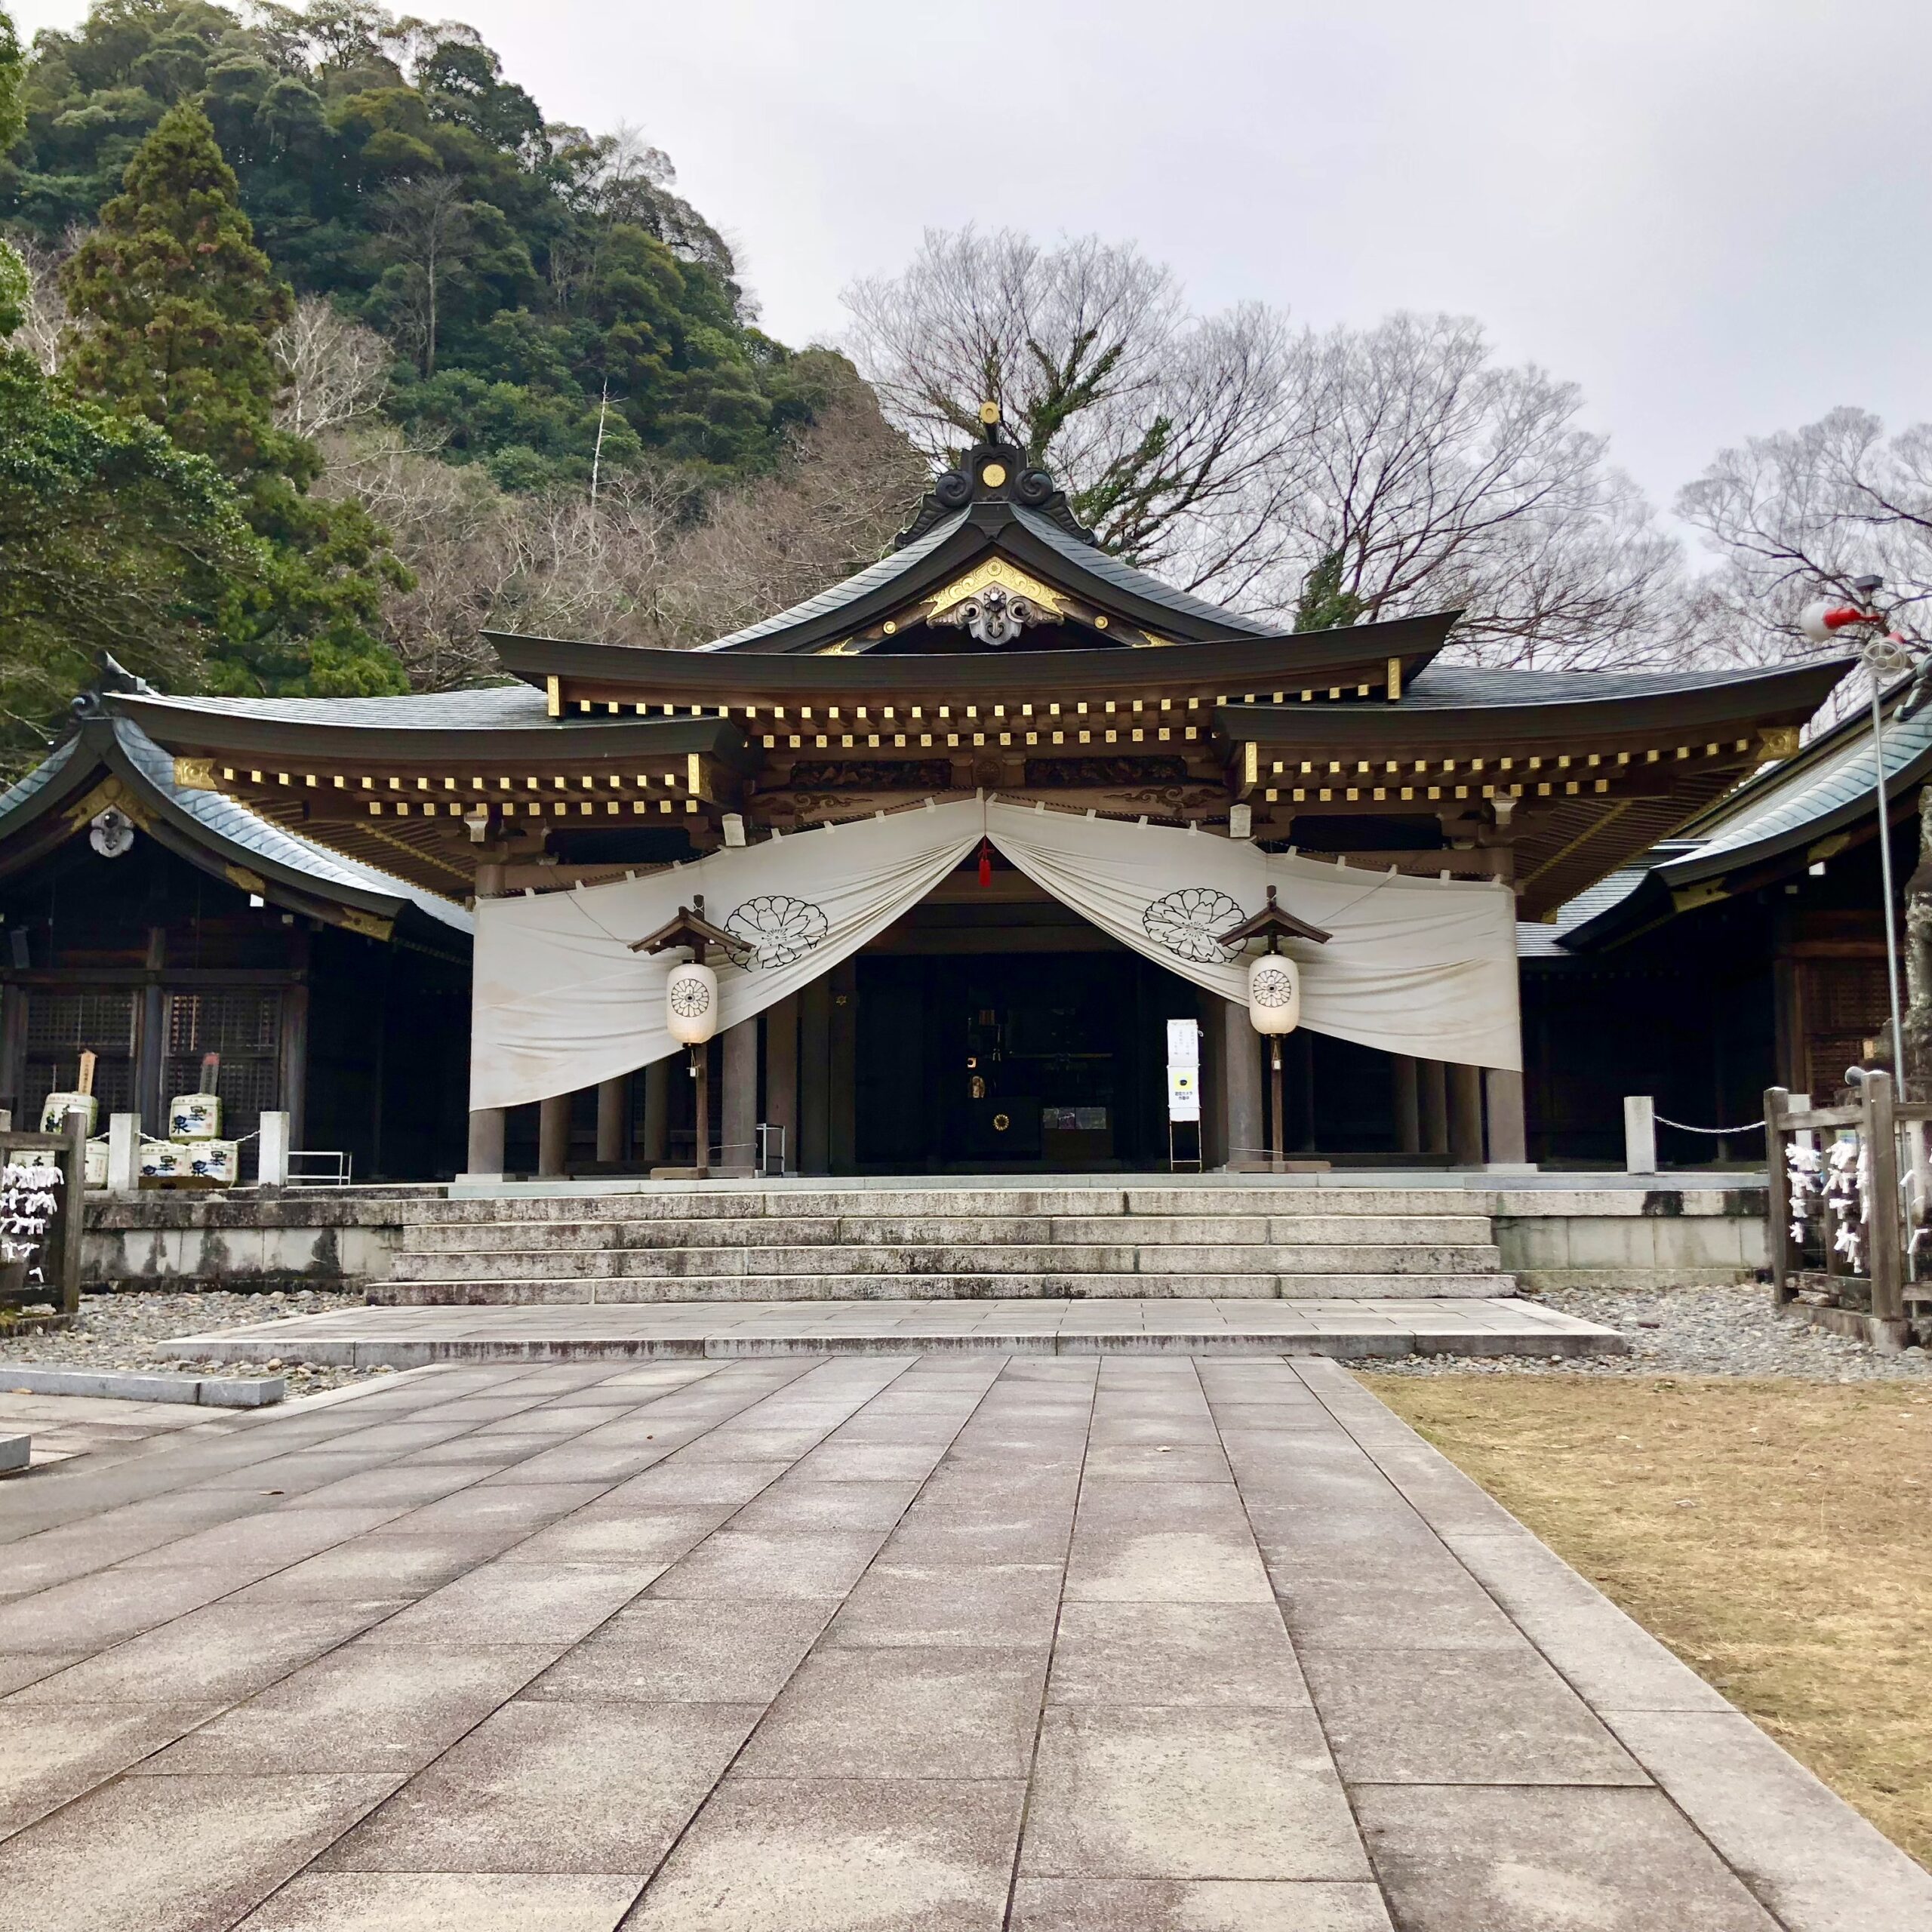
{"points": [[966, 830]]}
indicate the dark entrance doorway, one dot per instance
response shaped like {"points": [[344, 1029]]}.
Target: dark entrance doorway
{"points": [[995, 1062]]}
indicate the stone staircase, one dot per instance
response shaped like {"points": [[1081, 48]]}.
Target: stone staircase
{"points": [[978, 1242]]}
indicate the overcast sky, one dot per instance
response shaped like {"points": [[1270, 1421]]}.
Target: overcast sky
{"points": [[1710, 214]]}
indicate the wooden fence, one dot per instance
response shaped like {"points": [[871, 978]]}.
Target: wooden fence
{"points": [[41, 1177], [1851, 1204]]}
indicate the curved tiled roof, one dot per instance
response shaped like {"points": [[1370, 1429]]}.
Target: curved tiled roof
{"points": [[1457, 686], [1793, 800], [493, 705], [1093, 561], [873, 577], [39, 779], [230, 819], [229, 828]]}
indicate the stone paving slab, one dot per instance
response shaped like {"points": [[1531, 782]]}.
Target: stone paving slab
{"points": [[1342, 1327], [938, 1640]]}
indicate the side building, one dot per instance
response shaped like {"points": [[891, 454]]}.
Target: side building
{"points": [[1747, 950], [152, 923]]}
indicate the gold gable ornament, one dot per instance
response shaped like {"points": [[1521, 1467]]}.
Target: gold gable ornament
{"points": [[995, 601]]}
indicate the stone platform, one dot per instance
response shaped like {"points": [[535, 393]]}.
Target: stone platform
{"points": [[1373, 1232], [1347, 1328]]}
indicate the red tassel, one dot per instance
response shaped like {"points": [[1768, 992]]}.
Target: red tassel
{"points": [[986, 863]]}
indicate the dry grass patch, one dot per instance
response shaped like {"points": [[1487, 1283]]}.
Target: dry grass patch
{"points": [[1776, 1535]]}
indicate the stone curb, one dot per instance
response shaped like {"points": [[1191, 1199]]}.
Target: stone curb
{"points": [[347, 1352], [16, 1452], [1805, 1854], [126, 1385]]}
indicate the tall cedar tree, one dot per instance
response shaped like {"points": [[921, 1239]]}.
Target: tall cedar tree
{"points": [[111, 540], [173, 307]]}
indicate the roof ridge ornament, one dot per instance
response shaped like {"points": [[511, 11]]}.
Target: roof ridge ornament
{"points": [[994, 468]]}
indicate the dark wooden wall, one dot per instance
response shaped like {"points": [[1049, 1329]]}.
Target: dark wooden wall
{"points": [[152, 962]]}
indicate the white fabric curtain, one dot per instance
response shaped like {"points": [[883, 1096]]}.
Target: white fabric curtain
{"points": [[1424, 967], [560, 1002], [1420, 966]]}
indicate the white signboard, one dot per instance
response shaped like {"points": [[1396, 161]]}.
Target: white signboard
{"points": [[1184, 1043], [1183, 1094]]}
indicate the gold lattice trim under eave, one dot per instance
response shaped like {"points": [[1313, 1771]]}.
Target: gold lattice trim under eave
{"points": [[195, 774], [1008, 577]]}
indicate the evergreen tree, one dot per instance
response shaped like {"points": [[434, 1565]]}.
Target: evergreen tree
{"points": [[13, 119], [111, 539], [1325, 604], [174, 307], [177, 304]]}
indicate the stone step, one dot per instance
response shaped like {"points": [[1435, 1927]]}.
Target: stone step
{"points": [[557, 1292], [674, 1203], [600, 1264], [875, 1231]]}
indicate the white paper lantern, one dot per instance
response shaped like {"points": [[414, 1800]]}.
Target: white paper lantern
{"points": [[1274, 993], [690, 1003]]}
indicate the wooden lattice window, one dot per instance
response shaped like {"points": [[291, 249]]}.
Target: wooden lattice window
{"points": [[244, 1027], [61, 1026], [1846, 1004]]}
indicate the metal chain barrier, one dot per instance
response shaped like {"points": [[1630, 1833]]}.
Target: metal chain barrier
{"points": [[1683, 1126]]}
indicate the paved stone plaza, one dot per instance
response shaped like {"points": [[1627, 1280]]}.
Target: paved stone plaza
{"points": [[889, 1643]]}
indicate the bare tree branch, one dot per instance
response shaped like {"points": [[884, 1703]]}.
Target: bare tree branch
{"points": [[337, 370]]}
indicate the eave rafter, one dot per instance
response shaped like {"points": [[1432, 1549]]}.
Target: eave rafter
{"points": [[1659, 770], [561, 787]]}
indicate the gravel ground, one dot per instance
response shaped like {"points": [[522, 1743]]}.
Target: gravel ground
{"points": [[1690, 1331], [114, 1332]]}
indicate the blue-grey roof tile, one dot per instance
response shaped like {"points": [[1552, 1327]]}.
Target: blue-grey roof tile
{"points": [[871, 578], [490, 706], [230, 820], [1096, 562]]}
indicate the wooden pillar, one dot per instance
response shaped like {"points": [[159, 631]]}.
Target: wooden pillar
{"points": [[815, 1077], [553, 1136], [613, 1120], [1278, 1124], [1883, 1257], [781, 1079], [1241, 1083], [486, 1141], [737, 1152], [658, 1111], [1303, 1070], [294, 1059], [1213, 1082], [1465, 1115], [1785, 1255], [843, 1068], [1433, 1081], [701, 1130], [1509, 1133], [1408, 1105]]}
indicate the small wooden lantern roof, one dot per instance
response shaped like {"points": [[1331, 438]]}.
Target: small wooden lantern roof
{"points": [[690, 928], [1273, 924]]}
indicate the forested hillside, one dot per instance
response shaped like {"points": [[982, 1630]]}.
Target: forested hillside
{"points": [[519, 270]]}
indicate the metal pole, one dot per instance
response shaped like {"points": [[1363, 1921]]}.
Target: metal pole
{"points": [[1885, 867]]}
